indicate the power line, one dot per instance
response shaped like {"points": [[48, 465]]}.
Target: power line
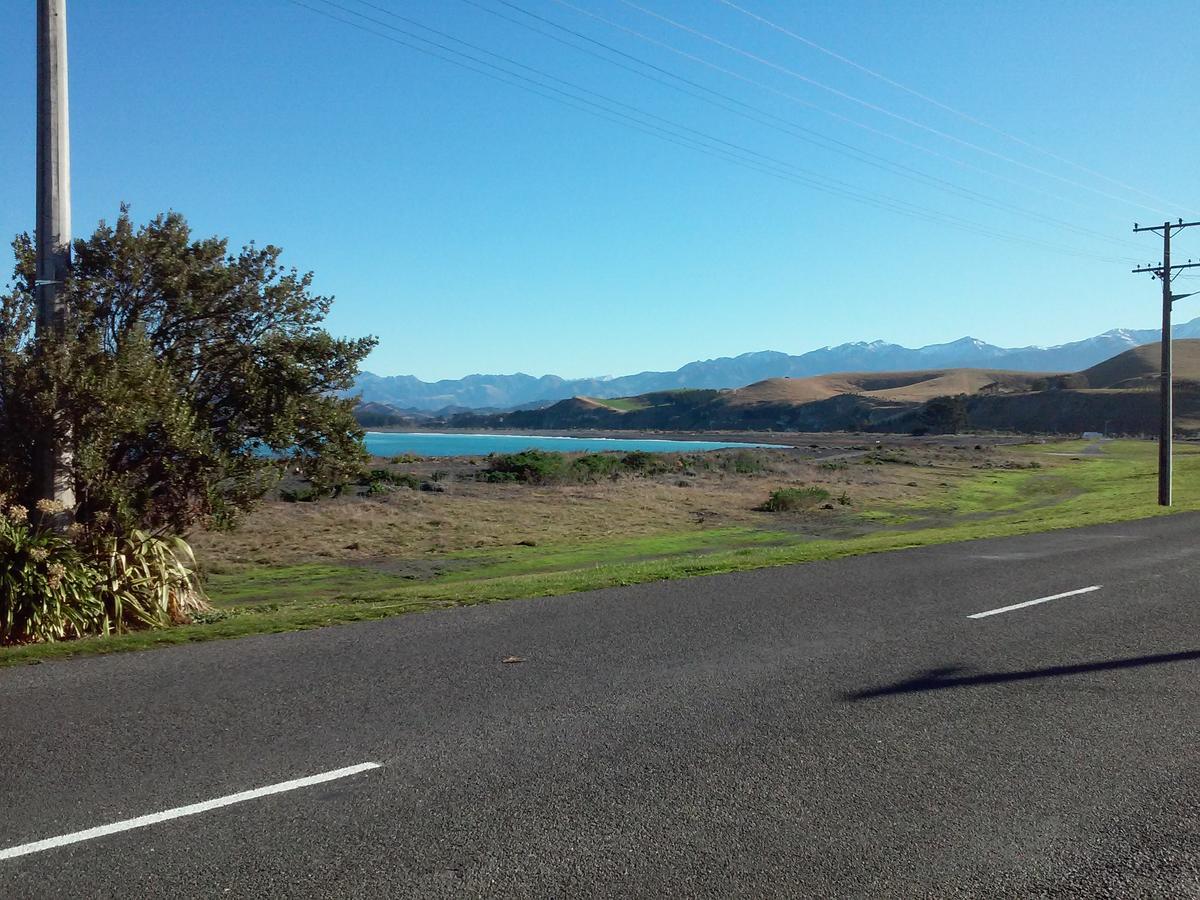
{"points": [[806, 177], [921, 148], [530, 86], [974, 120], [764, 164], [879, 109], [761, 158], [1165, 272], [768, 119]]}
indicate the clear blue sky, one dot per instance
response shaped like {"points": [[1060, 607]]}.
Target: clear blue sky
{"points": [[475, 227]]}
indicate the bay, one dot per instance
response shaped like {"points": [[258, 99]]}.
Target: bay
{"points": [[389, 443]]}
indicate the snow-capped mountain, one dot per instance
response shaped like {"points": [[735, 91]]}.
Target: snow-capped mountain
{"points": [[508, 391]]}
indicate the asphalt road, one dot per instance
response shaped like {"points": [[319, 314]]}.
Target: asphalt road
{"points": [[832, 729]]}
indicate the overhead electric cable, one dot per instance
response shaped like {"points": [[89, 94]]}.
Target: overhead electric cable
{"points": [[770, 120], [529, 87], [921, 148], [808, 176], [766, 165], [867, 104], [974, 120]]}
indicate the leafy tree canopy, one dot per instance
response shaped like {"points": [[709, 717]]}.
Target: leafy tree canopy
{"points": [[183, 363]]}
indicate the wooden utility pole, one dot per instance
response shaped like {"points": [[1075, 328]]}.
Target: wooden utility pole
{"points": [[53, 467], [1165, 272]]}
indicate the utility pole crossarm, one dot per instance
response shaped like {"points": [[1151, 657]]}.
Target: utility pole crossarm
{"points": [[1166, 272], [1157, 270], [1159, 228]]}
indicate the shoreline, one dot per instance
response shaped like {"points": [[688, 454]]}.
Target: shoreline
{"points": [[778, 440], [639, 436]]}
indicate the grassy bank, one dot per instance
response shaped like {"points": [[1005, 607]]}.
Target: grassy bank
{"points": [[297, 566]]}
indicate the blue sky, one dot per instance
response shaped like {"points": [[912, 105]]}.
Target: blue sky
{"points": [[476, 227]]}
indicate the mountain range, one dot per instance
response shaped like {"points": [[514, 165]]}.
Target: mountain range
{"points": [[406, 393], [1118, 395]]}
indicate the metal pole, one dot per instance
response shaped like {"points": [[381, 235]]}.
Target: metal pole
{"points": [[1166, 426], [1166, 431], [53, 467]]}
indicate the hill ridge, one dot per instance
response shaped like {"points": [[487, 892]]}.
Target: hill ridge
{"points": [[1119, 391], [498, 392]]}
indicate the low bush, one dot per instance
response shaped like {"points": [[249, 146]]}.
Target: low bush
{"points": [[644, 463], [529, 466], [382, 481], [46, 586], [592, 467], [743, 462], [146, 581], [55, 586], [551, 467], [792, 499]]}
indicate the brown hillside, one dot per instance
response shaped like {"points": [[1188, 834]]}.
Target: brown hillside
{"points": [[1140, 366], [905, 387]]}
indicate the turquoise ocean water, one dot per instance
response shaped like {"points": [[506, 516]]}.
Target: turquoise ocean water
{"points": [[432, 444]]}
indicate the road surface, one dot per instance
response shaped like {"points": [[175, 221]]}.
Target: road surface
{"points": [[849, 728]]}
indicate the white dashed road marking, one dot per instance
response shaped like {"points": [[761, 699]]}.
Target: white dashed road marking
{"points": [[1004, 609], [181, 811]]}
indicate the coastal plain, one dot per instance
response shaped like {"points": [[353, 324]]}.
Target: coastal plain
{"points": [[442, 533]]}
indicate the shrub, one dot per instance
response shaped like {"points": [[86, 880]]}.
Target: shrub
{"points": [[591, 467], [46, 587], [498, 477], [530, 466], [743, 462], [146, 581], [59, 586], [645, 463], [381, 481], [791, 499], [550, 467]]}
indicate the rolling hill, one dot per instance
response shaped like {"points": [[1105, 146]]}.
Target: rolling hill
{"points": [[510, 391], [1119, 391], [1140, 367]]}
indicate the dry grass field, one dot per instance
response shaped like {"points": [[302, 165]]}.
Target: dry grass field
{"points": [[430, 533], [401, 531]]}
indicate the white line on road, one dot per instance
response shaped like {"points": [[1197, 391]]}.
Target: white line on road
{"points": [[180, 811], [1004, 609]]}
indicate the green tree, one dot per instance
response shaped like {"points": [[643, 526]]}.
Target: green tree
{"points": [[183, 364]]}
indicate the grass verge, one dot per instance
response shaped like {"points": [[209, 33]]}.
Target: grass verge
{"points": [[1064, 491]]}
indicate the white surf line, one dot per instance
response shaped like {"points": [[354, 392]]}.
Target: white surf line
{"points": [[1004, 609], [180, 811]]}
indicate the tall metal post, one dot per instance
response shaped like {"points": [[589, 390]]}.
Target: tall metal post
{"points": [[1164, 271], [1166, 422], [53, 474]]}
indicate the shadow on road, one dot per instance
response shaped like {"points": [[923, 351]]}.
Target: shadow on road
{"points": [[957, 676]]}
